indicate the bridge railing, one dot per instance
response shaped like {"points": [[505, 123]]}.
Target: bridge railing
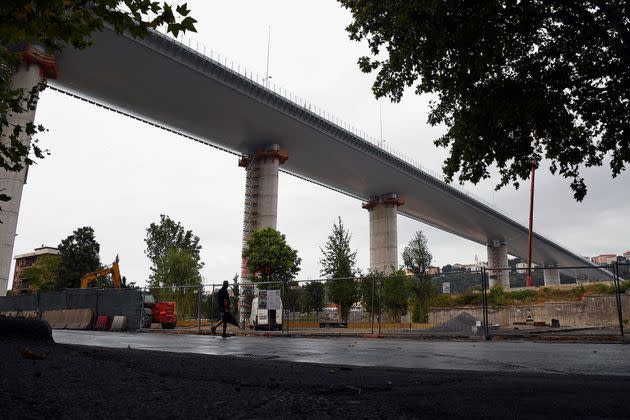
{"points": [[265, 83]]}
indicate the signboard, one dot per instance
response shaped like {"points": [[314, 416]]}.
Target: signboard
{"points": [[269, 299], [446, 287]]}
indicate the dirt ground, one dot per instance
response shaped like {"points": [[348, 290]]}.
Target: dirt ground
{"points": [[92, 382]]}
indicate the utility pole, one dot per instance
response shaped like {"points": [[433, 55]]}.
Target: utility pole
{"points": [[531, 223]]}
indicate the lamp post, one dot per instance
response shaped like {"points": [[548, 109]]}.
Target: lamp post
{"points": [[531, 223]]}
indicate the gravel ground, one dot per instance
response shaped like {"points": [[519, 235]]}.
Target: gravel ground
{"points": [[93, 382]]}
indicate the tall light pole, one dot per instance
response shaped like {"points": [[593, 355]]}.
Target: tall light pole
{"points": [[531, 223], [267, 77]]}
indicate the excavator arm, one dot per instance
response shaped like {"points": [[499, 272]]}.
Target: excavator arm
{"points": [[114, 270]]}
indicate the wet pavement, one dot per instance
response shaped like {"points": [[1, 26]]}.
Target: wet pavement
{"points": [[516, 356]]}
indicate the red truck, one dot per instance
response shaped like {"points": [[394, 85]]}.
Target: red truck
{"points": [[158, 312]]}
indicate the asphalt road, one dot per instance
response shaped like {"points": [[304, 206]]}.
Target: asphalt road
{"points": [[514, 356]]}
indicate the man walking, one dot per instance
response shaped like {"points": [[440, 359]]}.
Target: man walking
{"points": [[223, 298]]}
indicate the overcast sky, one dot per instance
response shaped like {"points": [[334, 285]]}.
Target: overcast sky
{"points": [[118, 175]]}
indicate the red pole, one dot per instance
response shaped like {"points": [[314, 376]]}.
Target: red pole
{"points": [[531, 223]]}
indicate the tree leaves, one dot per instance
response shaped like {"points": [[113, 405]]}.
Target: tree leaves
{"points": [[516, 82], [170, 237], [338, 263], [269, 258], [79, 256], [416, 255]]}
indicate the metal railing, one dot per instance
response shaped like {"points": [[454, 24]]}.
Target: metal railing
{"points": [[224, 61]]}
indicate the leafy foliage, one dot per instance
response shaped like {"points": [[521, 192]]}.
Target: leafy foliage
{"points": [[370, 291], [235, 293], [314, 297], [416, 255], [55, 24], [269, 257], [422, 288], [396, 294], [79, 255], [338, 263], [42, 276], [417, 259], [513, 81], [166, 236], [177, 268], [177, 278]]}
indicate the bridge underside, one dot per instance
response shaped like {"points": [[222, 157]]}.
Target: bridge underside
{"points": [[164, 82]]}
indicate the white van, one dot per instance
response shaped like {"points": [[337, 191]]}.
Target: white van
{"points": [[266, 313]]}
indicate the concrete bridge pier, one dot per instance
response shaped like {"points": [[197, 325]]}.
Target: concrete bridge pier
{"points": [[552, 276], [384, 231], [37, 65], [261, 205], [498, 258]]}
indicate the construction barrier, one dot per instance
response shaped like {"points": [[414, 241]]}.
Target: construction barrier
{"points": [[19, 303], [70, 319], [50, 301], [103, 323], [119, 323], [102, 302]]}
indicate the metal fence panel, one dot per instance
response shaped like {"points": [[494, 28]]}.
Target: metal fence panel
{"points": [[50, 301], [82, 298], [20, 303], [125, 302], [584, 301]]}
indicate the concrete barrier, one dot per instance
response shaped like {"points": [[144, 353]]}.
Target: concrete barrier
{"points": [[119, 323], [103, 323], [70, 319]]}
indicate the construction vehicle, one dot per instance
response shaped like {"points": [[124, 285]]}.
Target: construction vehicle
{"points": [[113, 269], [158, 312]]}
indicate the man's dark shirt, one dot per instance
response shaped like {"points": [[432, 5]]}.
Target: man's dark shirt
{"points": [[222, 296]]}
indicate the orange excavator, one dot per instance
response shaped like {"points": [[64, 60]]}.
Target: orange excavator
{"points": [[113, 269]]}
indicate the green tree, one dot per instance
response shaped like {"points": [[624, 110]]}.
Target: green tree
{"points": [[417, 259], [53, 25], [235, 293], [396, 293], [177, 278], [338, 264], [416, 255], [42, 276], [270, 259], [314, 297], [167, 235], [513, 81], [370, 291], [422, 291], [79, 255]]}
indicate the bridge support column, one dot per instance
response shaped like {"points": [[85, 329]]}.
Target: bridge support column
{"points": [[552, 276], [261, 207], [498, 258], [383, 232], [36, 65]]}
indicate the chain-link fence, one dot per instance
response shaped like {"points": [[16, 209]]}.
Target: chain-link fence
{"points": [[586, 301], [557, 301]]}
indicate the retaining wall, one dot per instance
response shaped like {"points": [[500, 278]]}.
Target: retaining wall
{"points": [[594, 311]]}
